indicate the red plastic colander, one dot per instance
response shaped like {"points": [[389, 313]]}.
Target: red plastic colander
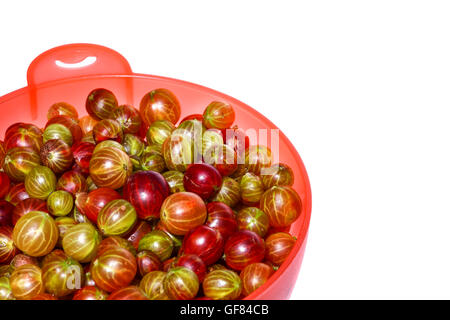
{"points": [[68, 73]]}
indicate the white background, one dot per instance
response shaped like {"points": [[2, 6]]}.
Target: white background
{"points": [[360, 87]]}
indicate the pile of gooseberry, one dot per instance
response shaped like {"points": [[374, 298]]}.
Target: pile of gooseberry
{"points": [[135, 204]]}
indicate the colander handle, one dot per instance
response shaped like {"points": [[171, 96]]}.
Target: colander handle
{"points": [[71, 61], [75, 60]]}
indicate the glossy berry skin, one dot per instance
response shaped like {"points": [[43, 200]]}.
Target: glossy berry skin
{"points": [[80, 204], [186, 144], [78, 216], [136, 161], [27, 128], [128, 293], [100, 104], [128, 118], [182, 212], [72, 182], [27, 205], [108, 144], [108, 129], [63, 224], [133, 145], [40, 182], [223, 158], [147, 261], [26, 282], [178, 152], [278, 247], [243, 248], [82, 153], [253, 219], [35, 234], [273, 230], [211, 142], [57, 131], [202, 179], [142, 130], [62, 109], [69, 123], [18, 162], [116, 218], [88, 137], [251, 189], [254, 276], [81, 242], [13, 128], [138, 232], [257, 158], [154, 148], [177, 240], [205, 242], [110, 168], [60, 203], [152, 162], [181, 283], [282, 204], [175, 181], [7, 248], [21, 260], [146, 191], [222, 218], [90, 293], [6, 213], [90, 185], [280, 175], [23, 135], [160, 104], [61, 274], [192, 262], [17, 193], [192, 129], [5, 289], [152, 285], [218, 115], [113, 242], [158, 242], [222, 285], [159, 131], [5, 184], [96, 200], [114, 269], [229, 193], [87, 124]]}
